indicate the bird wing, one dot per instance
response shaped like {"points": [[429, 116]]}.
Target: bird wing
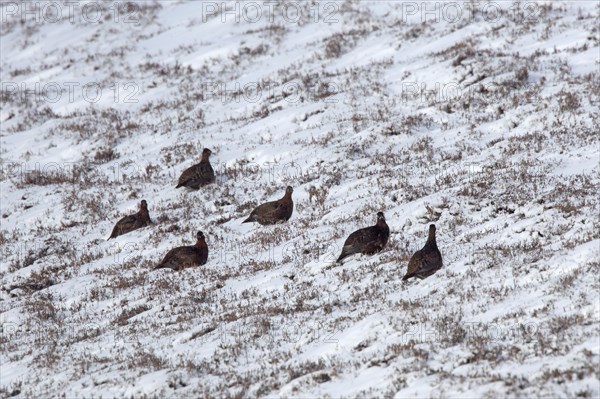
{"points": [[179, 258], [424, 263], [127, 220], [267, 211], [415, 264], [186, 175], [352, 240], [367, 240], [124, 225], [356, 241]]}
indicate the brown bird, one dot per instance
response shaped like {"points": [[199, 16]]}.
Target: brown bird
{"points": [[274, 211], [187, 256], [368, 240], [425, 261], [198, 175], [132, 222]]}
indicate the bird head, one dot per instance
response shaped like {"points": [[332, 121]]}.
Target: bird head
{"points": [[431, 236], [206, 153]]}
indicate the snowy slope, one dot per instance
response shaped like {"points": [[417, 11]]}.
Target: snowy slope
{"points": [[479, 117]]}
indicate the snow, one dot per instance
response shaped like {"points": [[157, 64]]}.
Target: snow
{"points": [[508, 168]]}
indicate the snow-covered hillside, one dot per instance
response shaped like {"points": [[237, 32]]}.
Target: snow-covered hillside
{"points": [[480, 117]]}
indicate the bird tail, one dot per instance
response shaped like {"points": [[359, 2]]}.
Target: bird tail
{"points": [[248, 220], [342, 256], [178, 185], [407, 276]]}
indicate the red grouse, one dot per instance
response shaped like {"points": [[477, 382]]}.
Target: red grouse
{"points": [[198, 175], [181, 257], [368, 240], [274, 211], [425, 261], [132, 222]]}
